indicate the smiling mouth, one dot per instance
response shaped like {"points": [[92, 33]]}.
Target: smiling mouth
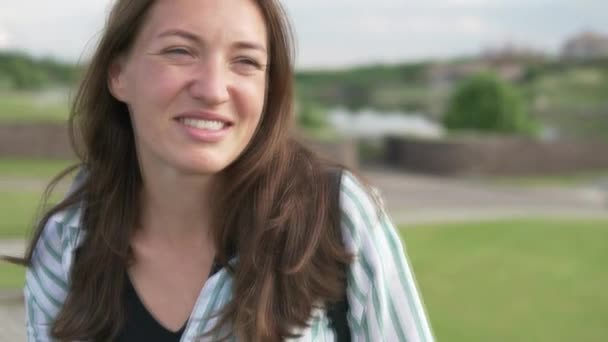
{"points": [[205, 130], [210, 125]]}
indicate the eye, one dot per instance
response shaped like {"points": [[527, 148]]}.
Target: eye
{"points": [[249, 61], [249, 64], [178, 52]]}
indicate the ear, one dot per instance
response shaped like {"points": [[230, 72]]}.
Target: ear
{"points": [[117, 80]]}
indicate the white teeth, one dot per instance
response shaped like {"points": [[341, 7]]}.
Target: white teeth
{"points": [[211, 125]]}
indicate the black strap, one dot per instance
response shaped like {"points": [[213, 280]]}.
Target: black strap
{"points": [[337, 311]]}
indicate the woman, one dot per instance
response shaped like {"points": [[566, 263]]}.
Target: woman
{"points": [[197, 216]]}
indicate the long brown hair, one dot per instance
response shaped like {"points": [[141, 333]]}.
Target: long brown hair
{"points": [[291, 257]]}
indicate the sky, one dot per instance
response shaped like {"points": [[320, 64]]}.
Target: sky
{"points": [[339, 33]]}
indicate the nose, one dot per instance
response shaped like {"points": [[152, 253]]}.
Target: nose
{"points": [[209, 83]]}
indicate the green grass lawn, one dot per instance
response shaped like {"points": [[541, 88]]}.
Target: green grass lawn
{"points": [[32, 168], [519, 280], [564, 180], [19, 207], [511, 280], [32, 107], [18, 213], [11, 276]]}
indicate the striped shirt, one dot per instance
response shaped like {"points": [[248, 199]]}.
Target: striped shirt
{"points": [[384, 302]]}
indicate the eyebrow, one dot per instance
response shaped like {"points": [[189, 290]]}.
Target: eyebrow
{"points": [[180, 33], [242, 45], [249, 46]]}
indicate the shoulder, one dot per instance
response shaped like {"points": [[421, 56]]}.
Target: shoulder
{"points": [[59, 238], [61, 231], [362, 232], [367, 234], [47, 275], [361, 211], [381, 289], [64, 225]]}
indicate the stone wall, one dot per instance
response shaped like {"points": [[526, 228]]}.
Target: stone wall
{"points": [[495, 156], [40, 140], [343, 151], [50, 141]]}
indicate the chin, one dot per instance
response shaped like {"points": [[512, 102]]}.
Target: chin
{"points": [[207, 166]]}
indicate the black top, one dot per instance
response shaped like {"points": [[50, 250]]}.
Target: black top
{"points": [[141, 325]]}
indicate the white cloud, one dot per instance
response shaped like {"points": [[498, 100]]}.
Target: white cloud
{"points": [[443, 25], [338, 32], [59, 28], [472, 25], [4, 34], [4, 39]]}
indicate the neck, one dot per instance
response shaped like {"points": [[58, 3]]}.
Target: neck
{"points": [[175, 206]]}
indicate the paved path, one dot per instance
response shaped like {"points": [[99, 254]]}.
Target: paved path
{"points": [[29, 184], [12, 247], [11, 317], [410, 199], [415, 199], [12, 313]]}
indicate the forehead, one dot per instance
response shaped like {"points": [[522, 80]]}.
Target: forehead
{"points": [[213, 20]]}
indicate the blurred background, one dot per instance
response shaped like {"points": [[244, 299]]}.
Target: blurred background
{"points": [[484, 124]]}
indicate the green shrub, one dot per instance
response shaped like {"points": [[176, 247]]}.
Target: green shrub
{"points": [[312, 116], [486, 103]]}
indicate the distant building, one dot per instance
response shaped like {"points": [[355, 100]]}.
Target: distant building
{"points": [[446, 75], [512, 53], [509, 61], [585, 46]]}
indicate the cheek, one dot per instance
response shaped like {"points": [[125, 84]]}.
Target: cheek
{"points": [[152, 89], [251, 97], [156, 82]]}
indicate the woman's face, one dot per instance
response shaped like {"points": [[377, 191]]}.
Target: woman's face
{"points": [[195, 83]]}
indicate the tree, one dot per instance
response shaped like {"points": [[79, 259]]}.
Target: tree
{"points": [[488, 104], [19, 71], [312, 117]]}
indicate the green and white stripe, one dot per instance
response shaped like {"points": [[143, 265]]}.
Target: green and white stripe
{"points": [[384, 301]]}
